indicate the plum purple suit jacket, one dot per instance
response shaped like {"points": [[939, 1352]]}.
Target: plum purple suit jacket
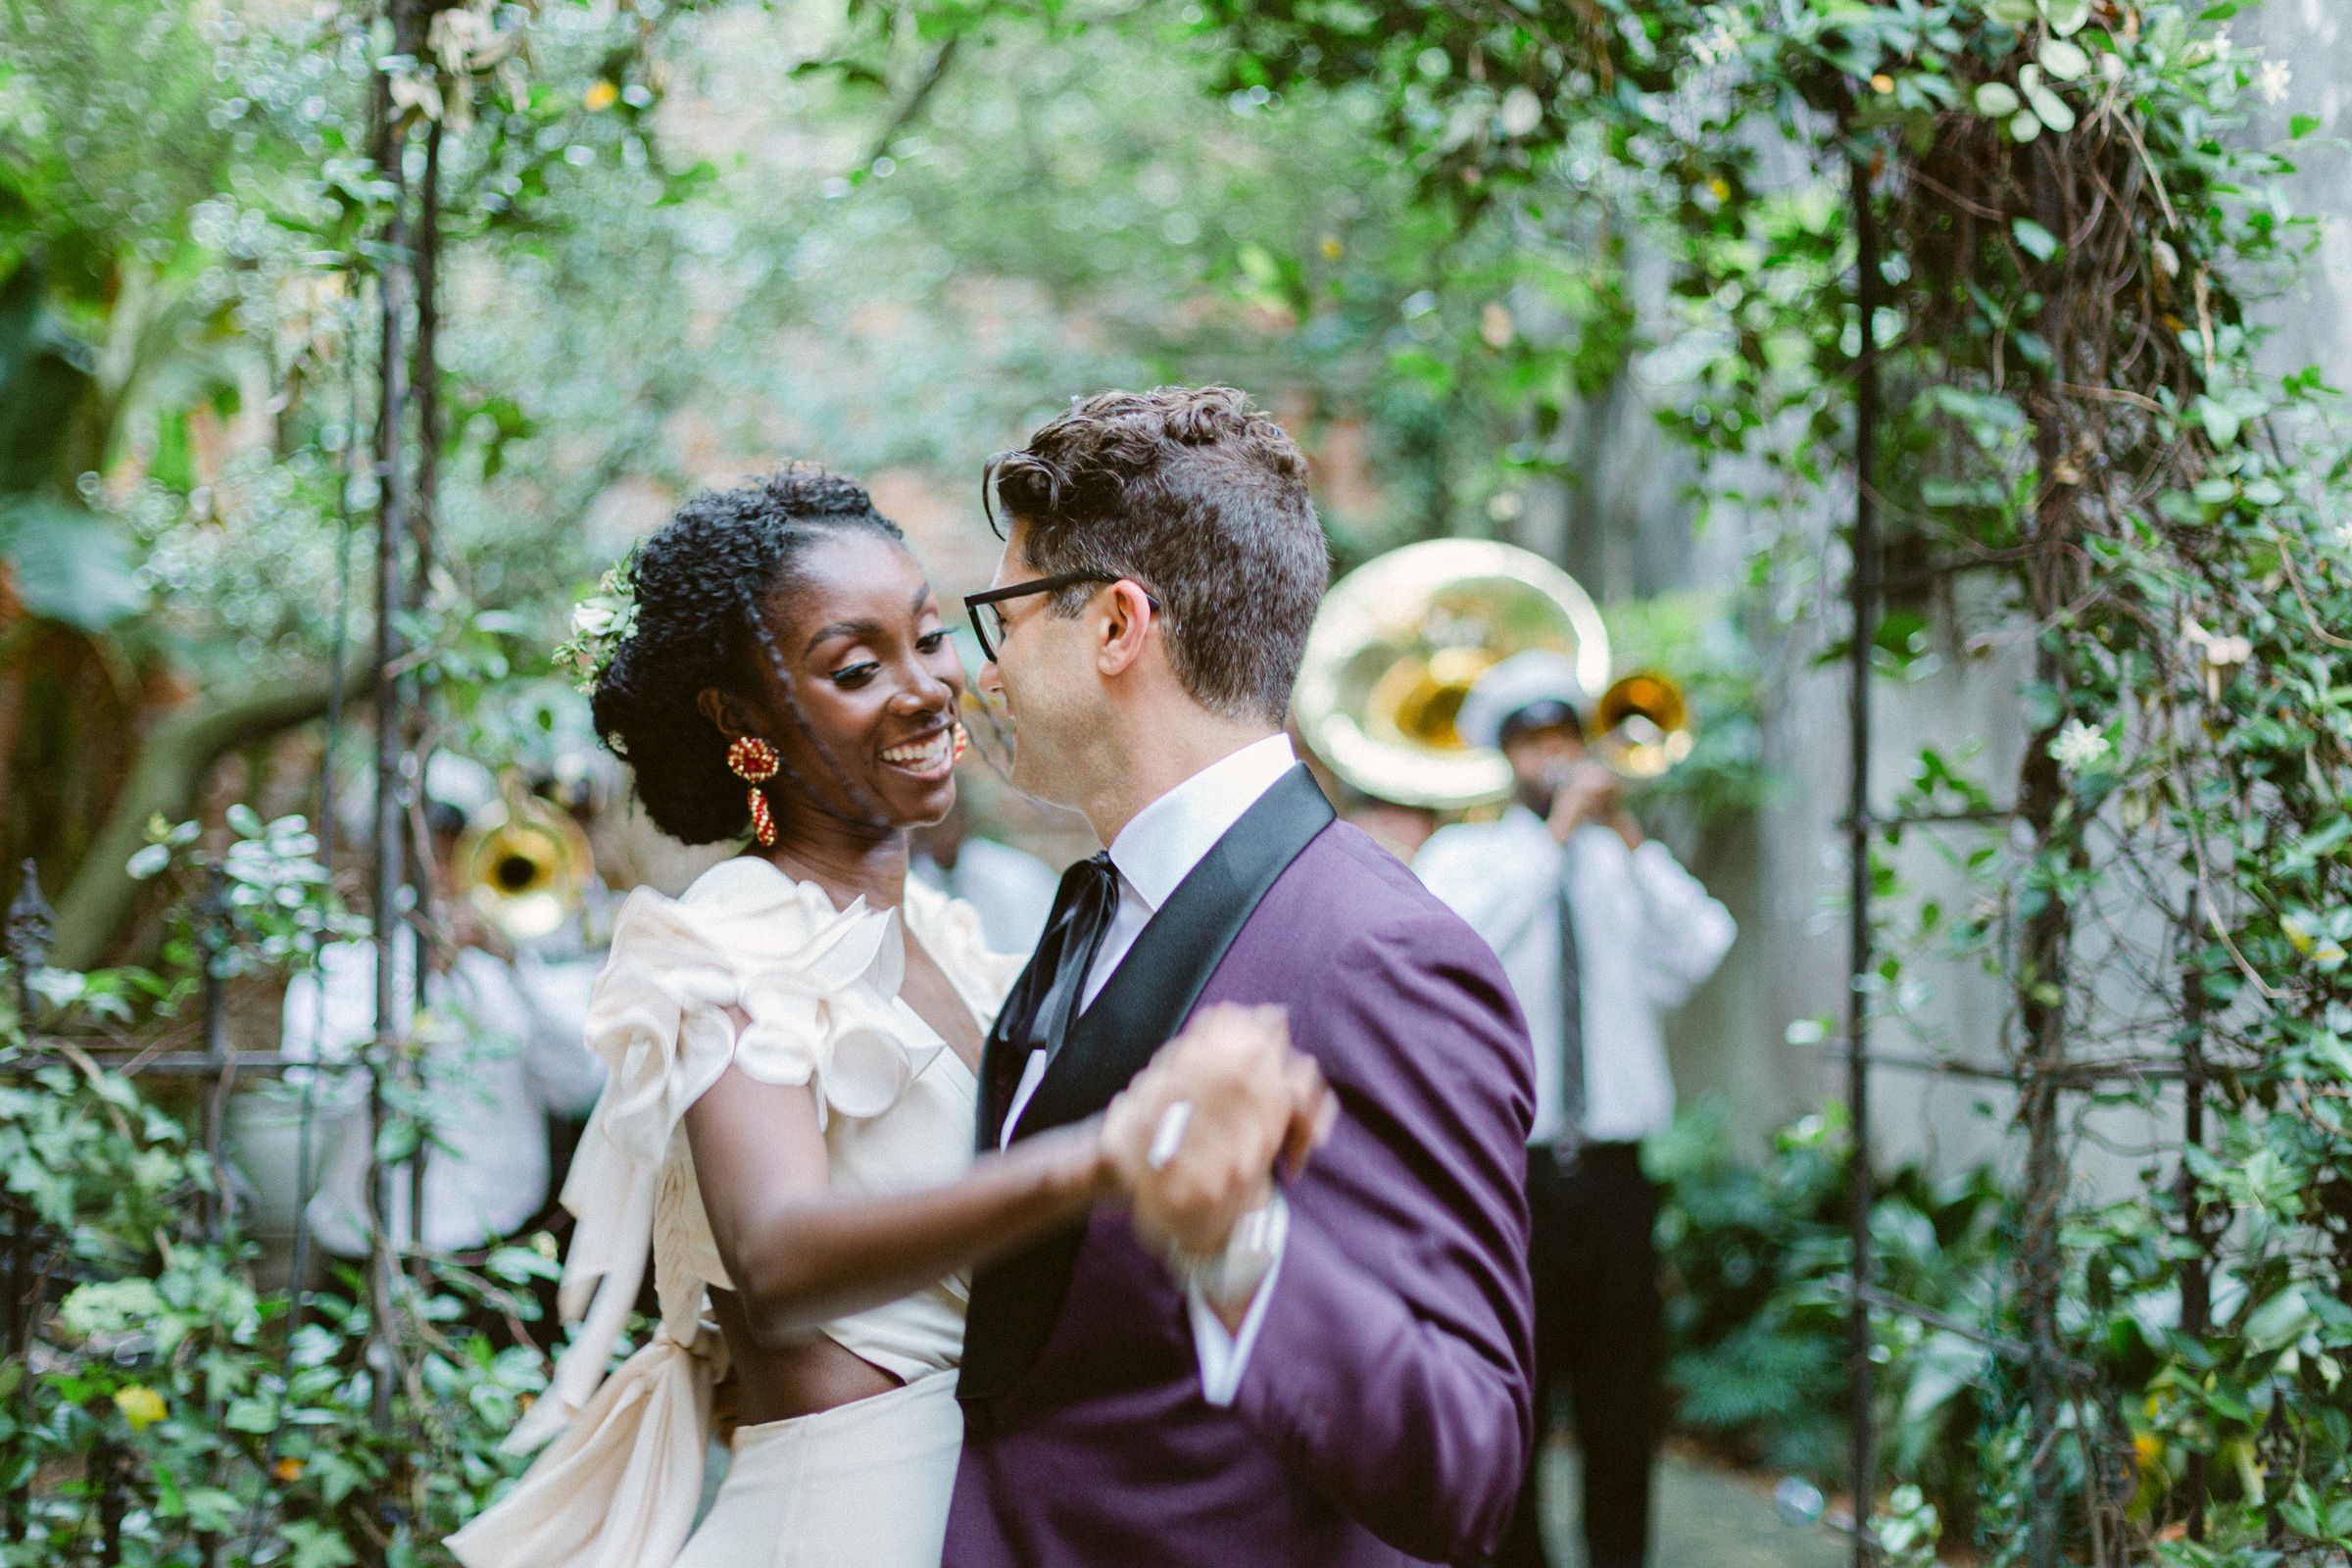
{"points": [[1384, 1415]]}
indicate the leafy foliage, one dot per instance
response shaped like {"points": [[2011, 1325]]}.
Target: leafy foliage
{"points": [[2069, 223], [168, 1407]]}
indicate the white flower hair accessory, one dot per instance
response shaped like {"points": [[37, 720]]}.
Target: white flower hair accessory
{"points": [[600, 623]]}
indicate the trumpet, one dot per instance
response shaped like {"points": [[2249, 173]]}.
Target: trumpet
{"points": [[523, 863], [1641, 725]]}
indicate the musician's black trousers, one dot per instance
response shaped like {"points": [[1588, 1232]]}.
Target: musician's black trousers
{"points": [[1599, 1339]]}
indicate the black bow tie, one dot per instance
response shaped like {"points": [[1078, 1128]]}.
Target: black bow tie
{"points": [[1037, 1017]]}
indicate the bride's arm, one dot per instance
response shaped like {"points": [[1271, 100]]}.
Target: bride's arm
{"points": [[801, 1255]]}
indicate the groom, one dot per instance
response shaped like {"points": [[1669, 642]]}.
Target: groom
{"points": [[1335, 1370]]}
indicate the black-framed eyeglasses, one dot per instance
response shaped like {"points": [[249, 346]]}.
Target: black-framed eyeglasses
{"points": [[988, 620]]}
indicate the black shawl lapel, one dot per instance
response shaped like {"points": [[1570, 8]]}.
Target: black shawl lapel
{"points": [[1015, 1301], [1152, 991]]}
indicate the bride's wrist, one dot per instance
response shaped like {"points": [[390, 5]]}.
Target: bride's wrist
{"points": [[1102, 1172], [1077, 1165]]}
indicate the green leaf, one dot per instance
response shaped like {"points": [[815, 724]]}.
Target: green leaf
{"points": [[2334, 1053], [169, 1501], [2299, 127], [397, 1140], [315, 1545], [2222, 427], [212, 1509], [1997, 100], [2323, 840], [2064, 61], [69, 566], [2067, 16], [2051, 108], [2278, 1322], [2025, 127], [2037, 241], [2015, 13], [249, 1415]]}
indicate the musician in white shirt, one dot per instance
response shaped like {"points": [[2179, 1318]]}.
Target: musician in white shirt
{"points": [[1640, 935]]}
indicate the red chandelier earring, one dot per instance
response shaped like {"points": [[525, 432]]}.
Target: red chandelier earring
{"points": [[753, 760], [964, 743]]}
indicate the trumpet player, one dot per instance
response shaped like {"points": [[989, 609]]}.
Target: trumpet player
{"points": [[1601, 932]]}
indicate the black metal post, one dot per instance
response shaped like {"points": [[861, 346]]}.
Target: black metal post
{"points": [[390, 868], [2196, 1272], [298, 1269], [2277, 1448], [1862, 603], [211, 948], [30, 925], [106, 1463], [424, 516], [17, 1504]]}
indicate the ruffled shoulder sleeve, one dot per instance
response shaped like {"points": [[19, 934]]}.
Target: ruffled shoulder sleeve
{"points": [[820, 991]]}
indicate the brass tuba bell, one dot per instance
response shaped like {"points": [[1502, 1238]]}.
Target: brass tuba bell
{"points": [[522, 863], [1399, 644]]}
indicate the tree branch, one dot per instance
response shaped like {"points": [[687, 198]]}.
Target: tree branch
{"points": [[933, 74], [167, 780]]}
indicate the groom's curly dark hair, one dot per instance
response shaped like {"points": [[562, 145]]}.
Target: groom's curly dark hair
{"points": [[1203, 500], [702, 583]]}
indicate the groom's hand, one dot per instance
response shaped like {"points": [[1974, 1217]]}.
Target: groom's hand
{"points": [[1196, 1137]]}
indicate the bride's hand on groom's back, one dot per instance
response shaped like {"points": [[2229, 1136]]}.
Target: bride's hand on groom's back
{"points": [[1195, 1138]]}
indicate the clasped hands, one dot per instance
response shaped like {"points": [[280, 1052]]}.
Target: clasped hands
{"points": [[1194, 1141]]}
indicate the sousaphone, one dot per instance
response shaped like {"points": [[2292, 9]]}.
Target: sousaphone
{"points": [[1400, 641], [1399, 644]]}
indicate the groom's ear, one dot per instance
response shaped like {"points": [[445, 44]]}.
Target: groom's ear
{"points": [[1126, 627]]}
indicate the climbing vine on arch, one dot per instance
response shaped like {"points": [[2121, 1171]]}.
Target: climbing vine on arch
{"points": [[2073, 219]]}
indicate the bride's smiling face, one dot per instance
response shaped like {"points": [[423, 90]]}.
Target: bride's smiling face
{"points": [[867, 663]]}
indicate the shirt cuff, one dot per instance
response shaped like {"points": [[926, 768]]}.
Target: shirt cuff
{"points": [[1225, 1355]]}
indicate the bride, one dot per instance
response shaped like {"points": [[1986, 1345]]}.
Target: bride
{"points": [[789, 1124]]}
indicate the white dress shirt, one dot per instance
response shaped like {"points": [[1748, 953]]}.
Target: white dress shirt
{"points": [[1648, 934], [1153, 854]]}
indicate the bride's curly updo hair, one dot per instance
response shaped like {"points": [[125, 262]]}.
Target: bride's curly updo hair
{"points": [[701, 583]]}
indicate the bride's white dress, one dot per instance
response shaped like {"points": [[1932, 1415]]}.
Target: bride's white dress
{"points": [[866, 1485]]}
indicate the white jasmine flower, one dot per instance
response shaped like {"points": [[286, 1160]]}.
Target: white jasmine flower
{"points": [[1719, 40], [2079, 746], [2273, 79], [2228, 652], [592, 617], [2217, 656], [2216, 47]]}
